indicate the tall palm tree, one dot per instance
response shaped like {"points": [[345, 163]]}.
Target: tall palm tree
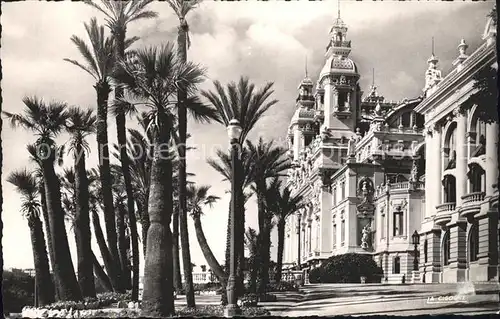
{"points": [[269, 161], [198, 197], [282, 203], [99, 60], [181, 9], [95, 203], [241, 101], [120, 198], [80, 124], [27, 185], [118, 15], [152, 76], [38, 172], [252, 243], [46, 121]]}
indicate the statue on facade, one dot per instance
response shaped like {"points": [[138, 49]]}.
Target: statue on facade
{"points": [[365, 239], [414, 171], [350, 146], [343, 80]]}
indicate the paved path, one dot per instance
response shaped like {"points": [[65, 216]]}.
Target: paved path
{"points": [[378, 299]]}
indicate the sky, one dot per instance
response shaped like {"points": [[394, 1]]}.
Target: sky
{"points": [[266, 41]]}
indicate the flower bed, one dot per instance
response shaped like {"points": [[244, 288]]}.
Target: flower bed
{"points": [[218, 311]]}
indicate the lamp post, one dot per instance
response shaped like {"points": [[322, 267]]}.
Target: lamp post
{"points": [[298, 241], [234, 133], [415, 240]]}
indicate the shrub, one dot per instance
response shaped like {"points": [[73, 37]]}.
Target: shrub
{"points": [[218, 311], [248, 300], [210, 286], [282, 286], [103, 300], [18, 290], [347, 268]]}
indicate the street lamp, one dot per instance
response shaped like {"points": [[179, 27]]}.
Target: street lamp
{"points": [[415, 240], [234, 132]]}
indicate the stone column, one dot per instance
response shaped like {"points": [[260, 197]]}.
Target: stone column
{"points": [[455, 271], [461, 167], [328, 102], [433, 186], [491, 158], [296, 143], [325, 244]]}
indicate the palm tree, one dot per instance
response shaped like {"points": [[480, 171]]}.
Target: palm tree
{"points": [[252, 243], [32, 150], [27, 185], [269, 161], [120, 197], [46, 121], [99, 63], [243, 102], [181, 9], [153, 76], [283, 204], [95, 201], [197, 198], [118, 15], [81, 124]]}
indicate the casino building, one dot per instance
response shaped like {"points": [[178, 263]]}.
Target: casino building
{"points": [[361, 162]]}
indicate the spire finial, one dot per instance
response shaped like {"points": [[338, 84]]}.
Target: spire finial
{"points": [[432, 45], [338, 2], [306, 65], [373, 77]]}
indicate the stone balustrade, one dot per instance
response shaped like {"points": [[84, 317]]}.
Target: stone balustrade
{"points": [[202, 277], [445, 208], [473, 198]]}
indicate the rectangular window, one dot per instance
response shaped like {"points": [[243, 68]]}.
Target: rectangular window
{"points": [[398, 224], [334, 195], [335, 235], [342, 232], [382, 225], [342, 186]]}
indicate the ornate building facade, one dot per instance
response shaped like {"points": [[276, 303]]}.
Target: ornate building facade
{"points": [[360, 162]]}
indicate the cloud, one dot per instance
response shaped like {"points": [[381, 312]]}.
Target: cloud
{"points": [[267, 41]]}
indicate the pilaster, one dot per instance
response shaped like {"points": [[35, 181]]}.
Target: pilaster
{"points": [[491, 158], [455, 271], [328, 105], [433, 172], [486, 268], [461, 166], [326, 222], [432, 268]]}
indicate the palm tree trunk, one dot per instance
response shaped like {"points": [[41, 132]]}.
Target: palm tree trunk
{"points": [[64, 270], [121, 130], [182, 117], [122, 244], [47, 231], [264, 259], [106, 255], [103, 91], [240, 240], [281, 245], [158, 298], [175, 251], [100, 274], [143, 208], [44, 287], [82, 226], [207, 252]]}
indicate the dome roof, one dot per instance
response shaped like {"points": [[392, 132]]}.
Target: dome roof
{"points": [[338, 64]]}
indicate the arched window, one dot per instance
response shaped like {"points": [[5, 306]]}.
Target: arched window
{"points": [[425, 251], [450, 147], [420, 120], [446, 248], [476, 178], [406, 119], [473, 242], [397, 265], [450, 189]]}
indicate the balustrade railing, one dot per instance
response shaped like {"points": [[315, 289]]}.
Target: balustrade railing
{"points": [[446, 207], [202, 277], [473, 197]]}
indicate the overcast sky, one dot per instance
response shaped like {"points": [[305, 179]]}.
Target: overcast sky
{"points": [[267, 41]]}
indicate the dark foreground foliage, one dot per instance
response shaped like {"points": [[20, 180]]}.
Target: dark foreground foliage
{"points": [[347, 268]]}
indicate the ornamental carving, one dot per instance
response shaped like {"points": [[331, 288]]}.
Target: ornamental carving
{"points": [[326, 176]]}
